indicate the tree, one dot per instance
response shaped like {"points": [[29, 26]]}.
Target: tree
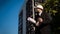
{"points": [[51, 6]]}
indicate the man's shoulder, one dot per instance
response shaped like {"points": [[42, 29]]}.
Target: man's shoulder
{"points": [[44, 13]]}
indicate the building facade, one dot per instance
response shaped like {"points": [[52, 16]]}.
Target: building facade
{"points": [[20, 24]]}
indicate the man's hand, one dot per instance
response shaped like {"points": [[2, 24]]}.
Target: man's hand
{"points": [[40, 19]]}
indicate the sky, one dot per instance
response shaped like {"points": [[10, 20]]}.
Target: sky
{"points": [[9, 11]]}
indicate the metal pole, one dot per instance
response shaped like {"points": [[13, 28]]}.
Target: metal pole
{"points": [[33, 15], [33, 9]]}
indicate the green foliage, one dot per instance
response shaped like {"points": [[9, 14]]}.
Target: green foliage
{"points": [[50, 6]]}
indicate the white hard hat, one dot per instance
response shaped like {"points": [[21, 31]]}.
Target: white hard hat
{"points": [[39, 6]]}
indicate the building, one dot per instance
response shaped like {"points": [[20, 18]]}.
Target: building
{"points": [[24, 27], [20, 24]]}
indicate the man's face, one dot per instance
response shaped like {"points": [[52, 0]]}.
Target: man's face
{"points": [[39, 10]]}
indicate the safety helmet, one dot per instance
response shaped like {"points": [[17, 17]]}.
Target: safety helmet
{"points": [[39, 6]]}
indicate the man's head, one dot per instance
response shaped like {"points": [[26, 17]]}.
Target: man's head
{"points": [[39, 8]]}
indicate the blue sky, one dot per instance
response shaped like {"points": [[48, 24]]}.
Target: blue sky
{"points": [[9, 11]]}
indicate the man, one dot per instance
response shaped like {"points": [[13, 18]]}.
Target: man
{"points": [[42, 19]]}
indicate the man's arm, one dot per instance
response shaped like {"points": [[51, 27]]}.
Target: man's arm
{"points": [[31, 20], [34, 21]]}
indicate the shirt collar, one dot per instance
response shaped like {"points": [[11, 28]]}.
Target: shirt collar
{"points": [[40, 13]]}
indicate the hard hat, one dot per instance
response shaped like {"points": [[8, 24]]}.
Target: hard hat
{"points": [[39, 6]]}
